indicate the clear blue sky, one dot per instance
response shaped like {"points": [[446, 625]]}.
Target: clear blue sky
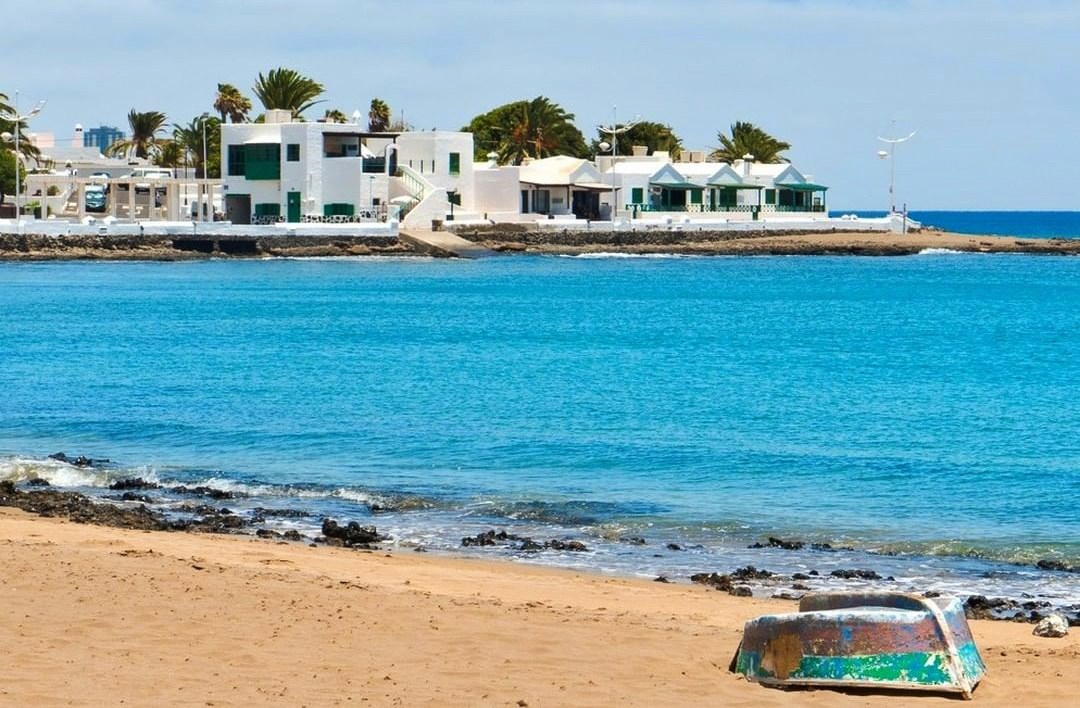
{"points": [[993, 87]]}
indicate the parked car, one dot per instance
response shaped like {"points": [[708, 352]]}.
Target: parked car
{"points": [[96, 198], [147, 175]]}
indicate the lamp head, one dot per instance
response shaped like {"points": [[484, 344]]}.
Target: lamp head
{"points": [[6, 136], [37, 109], [604, 146], [883, 154]]}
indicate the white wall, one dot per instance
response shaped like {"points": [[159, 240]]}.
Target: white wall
{"points": [[433, 149], [497, 191]]}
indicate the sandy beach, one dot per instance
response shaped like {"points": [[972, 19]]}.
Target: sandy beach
{"points": [[103, 616]]}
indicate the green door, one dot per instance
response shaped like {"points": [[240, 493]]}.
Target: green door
{"points": [[294, 207]]}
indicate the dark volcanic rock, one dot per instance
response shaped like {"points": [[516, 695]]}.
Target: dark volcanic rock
{"points": [[982, 607], [800, 576], [557, 545], [713, 580], [280, 513], [37, 482], [1056, 565], [81, 509], [856, 574], [79, 461], [741, 591], [751, 573], [133, 483], [520, 543], [633, 540], [352, 534], [267, 533], [132, 497], [674, 547], [293, 535], [203, 491]]}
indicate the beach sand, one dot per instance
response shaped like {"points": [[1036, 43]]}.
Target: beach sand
{"points": [[101, 616]]}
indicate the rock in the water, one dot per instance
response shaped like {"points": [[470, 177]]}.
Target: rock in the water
{"points": [[674, 547], [1053, 626], [352, 534], [856, 574], [558, 545], [133, 483], [1056, 565], [741, 591], [37, 482], [713, 580]]}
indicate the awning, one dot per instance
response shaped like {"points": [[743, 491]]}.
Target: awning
{"points": [[594, 186], [722, 185], [803, 187], [677, 186]]}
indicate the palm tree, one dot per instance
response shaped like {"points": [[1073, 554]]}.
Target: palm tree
{"points": [[654, 136], [170, 154], [27, 149], [527, 129], [144, 135], [378, 116], [287, 89], [231, 104], [748, 139], [190, 139], [335, 116]]}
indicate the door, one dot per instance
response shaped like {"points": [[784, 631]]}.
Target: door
{"points": [[238, 208], [293, 214]]}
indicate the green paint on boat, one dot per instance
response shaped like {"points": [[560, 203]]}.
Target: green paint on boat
{"points": [[921, 668]]}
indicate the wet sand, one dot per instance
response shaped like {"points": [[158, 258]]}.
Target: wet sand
{"points": [[92, 615]]}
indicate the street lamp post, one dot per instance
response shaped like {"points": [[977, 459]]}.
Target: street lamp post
{"points": [[615, 131], [17, 120], [891, 157]]}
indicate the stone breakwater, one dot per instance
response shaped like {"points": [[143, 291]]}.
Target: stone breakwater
{"points": [[40, 247], [688, 241]]}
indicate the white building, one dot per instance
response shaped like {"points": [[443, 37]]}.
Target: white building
{"points": [[653, 185], [285, 171]]}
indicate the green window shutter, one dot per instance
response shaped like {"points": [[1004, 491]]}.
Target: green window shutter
{"points": [[637, 195], [262, 161], [327, 209], [292, 152], [695, 196], [455, 163], [268, 209], [236, 161], [770, 196]]}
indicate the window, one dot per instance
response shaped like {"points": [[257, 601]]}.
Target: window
{"points": [[236, 161], [637, 195], [770, 196], [292, 152], [262, 161], [338, 209], [267, 209], [541, 201], [695, 196], [455, 163]]}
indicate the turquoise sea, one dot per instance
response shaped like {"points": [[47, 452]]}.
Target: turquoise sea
{"points": [[922, 413]]}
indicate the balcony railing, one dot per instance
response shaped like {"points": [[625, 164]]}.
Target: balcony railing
{"points": [[724, 208]]}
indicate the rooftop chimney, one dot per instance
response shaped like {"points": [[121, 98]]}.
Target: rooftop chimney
{"points": [[640, 150], [747, 161], [278, 115]]}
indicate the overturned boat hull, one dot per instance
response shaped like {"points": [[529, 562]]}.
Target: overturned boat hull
{"points": [[864, 640]]}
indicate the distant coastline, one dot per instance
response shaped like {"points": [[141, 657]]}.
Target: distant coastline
{"points": [[510, 239]]}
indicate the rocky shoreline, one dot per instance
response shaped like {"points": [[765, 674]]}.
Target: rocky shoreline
{"points": [[41, 247], [513, 238], [517, 238], [136, 504]]}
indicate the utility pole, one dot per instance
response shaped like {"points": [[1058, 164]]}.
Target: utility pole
{"points": [[615, 131], [891, 157]]}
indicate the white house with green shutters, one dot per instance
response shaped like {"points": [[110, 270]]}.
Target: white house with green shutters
{"points": [[292, 172], [654, 186]]}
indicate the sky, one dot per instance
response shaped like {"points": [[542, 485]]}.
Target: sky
{"points": [[991, 86]]}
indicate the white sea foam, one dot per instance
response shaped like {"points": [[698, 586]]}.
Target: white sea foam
{"points": [[612, 255], [941, 252], [62, 474]]}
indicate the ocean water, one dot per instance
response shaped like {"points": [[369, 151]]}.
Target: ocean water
{"points": [[922, 414], [1025, 224]]}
